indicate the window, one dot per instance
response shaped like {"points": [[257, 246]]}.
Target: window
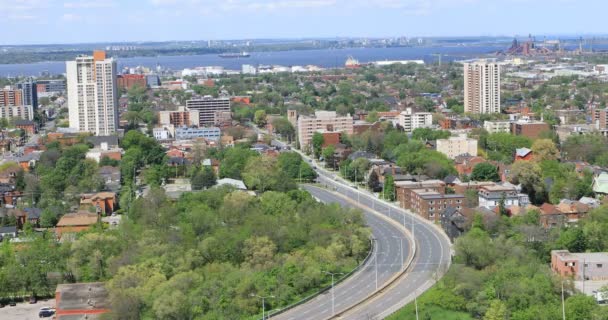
{"points": [[599, 265]]}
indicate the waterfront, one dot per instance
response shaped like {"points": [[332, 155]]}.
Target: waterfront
{"points": [[326, 58]]}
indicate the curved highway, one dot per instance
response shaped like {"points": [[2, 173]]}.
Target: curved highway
{"points": [[432, 260], [390, 241]]}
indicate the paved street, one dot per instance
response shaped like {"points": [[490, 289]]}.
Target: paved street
{"points": [[25, 311]]}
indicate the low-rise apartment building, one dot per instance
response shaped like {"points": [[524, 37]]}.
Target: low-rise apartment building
{"points": [[497, 126], [327, 121], [404, 190], [456, 146], [410, 120], [429, 203]]}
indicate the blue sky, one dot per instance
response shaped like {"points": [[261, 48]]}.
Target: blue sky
{"points": [[51, 21]]}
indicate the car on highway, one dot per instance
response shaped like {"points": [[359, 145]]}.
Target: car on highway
{"points": [[46, 312]]}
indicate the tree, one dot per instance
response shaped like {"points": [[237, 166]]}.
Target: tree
{"points": [[259, 118], [389, 188], [545, 149], [234, 162], [529, 175], [372, 117], [263, 174], [328, 156], [204, 179], [485, 172], [580, 307], [496, 311], [284, 128], [317, 144], [373, 182]]}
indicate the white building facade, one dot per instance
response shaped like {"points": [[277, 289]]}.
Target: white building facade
{"points": [[92, 94], [409, 120], [327, 121], [456, 146]]}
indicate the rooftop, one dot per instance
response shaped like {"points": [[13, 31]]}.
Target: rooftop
{"points": [[587, 256], [77, 219], [82, 296]]}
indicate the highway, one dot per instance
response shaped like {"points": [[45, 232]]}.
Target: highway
{"points": [[390, 240], [432, 260]]}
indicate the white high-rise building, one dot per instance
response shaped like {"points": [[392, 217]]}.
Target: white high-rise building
{"points": [[482, 87], [92, 94]]}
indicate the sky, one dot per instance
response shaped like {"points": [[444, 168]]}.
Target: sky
{"points": [[86, 21]]}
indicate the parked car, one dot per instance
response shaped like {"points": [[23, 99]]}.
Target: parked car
{"points": [[46, 312], [33, 300]]}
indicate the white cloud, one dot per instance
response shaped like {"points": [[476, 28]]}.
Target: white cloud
{"points": [[89, 4]]}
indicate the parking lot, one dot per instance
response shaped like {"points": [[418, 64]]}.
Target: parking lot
{"points": [[25, 311]]}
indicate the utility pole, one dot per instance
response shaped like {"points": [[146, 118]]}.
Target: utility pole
{"points": [[263, 303], [333, 307], [563, 304]]}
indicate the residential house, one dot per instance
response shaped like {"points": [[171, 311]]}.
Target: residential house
{"points": [[551, 216], [33, 215], [104, 202], [490, 196], [111, 177], [10, 216], [8, 232], [28, 126], [75, 222], [453, 222], [465, 164], [523, 154]]}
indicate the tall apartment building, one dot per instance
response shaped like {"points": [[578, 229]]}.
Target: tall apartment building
{"points": [[456, 146], [179, 118], [11, 96], [410, 120], [482, 87], [30, 92], [93, 94], [12, 104], [207, 107], [322, 121]]}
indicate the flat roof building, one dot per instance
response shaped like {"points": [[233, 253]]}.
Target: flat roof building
{"points": [[327, 121], [207, 108], [456, 146]]}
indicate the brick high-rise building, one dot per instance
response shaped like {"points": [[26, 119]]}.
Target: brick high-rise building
{"points": [[93, 94], [482, 87]]}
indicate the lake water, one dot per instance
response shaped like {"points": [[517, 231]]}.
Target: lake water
{"points": [[326, 58]]}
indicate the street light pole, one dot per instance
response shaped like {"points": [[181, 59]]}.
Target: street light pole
{"points": [[333, 307], [263, 303]]}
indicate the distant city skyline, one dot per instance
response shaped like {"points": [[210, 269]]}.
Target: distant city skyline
{"points": [[57, 22]]}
